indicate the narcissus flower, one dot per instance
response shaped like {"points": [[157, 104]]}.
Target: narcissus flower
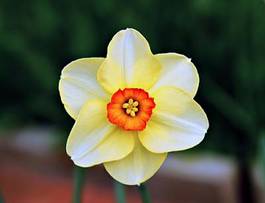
{"points": [[131, 108]]}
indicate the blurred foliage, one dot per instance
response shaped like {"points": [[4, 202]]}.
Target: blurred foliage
{"points": [[262, 158], [224, 38]]}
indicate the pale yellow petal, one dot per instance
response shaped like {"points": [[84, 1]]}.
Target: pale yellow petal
{"points": [[137, 167], [117, 145], [91, 128], [78, 84], [178, 122], [145, 74], [129, 63], [178, 71]]}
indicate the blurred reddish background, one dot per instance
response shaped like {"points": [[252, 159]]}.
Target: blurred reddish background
{"points": [[35, 169]]}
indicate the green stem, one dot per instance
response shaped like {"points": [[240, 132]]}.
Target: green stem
{"points": [[1, 199], [144, 194], [120, 192], [262, 155], [79, 180]]}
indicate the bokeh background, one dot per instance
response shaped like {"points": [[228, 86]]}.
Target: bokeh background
{"points": [[226, 42]]}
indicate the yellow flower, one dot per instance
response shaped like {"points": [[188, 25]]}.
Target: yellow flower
{"points": [[131, 108]]}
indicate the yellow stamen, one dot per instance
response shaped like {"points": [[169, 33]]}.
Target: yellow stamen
{"points": [[136, 103], [135, 109], [132, 113], [128, 111], [125, 105], [130, 107]]}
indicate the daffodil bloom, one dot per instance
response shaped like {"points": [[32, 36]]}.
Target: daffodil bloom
{"points": [[131, 108]]}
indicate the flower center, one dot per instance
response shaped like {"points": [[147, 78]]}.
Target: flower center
{"points": [[130, 108]]}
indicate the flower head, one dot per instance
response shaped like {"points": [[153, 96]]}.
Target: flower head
{"points": [[131, 108]]}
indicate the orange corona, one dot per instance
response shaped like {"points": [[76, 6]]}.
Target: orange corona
{"points": [[130, 108]]}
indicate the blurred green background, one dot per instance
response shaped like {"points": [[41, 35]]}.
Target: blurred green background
{"points": [[224, 38]]}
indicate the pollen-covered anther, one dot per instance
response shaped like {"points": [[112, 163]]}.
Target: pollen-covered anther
{"points": [[131, 107]]}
